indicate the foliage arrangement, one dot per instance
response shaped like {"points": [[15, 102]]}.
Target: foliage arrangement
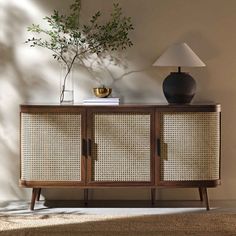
{"points": [[69, 40]]}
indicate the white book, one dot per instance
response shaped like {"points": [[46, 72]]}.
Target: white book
{"points": [[102, 100], [101, 104]]}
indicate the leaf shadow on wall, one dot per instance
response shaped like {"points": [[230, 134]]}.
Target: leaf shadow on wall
{"points": [[116, 72]]}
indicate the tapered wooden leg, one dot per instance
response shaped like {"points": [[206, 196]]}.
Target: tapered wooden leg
{"points": [[33, 198], [153, 195], [38, 194], [200, 194], [205, 197], [85, 196]]}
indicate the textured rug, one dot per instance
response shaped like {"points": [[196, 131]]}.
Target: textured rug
{"points": [[200, 224]]}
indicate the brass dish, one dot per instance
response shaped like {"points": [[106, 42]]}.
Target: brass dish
{"points": [[102, 92]]}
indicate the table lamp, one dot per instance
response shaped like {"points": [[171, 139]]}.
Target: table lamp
{"points": [[179, 87]]}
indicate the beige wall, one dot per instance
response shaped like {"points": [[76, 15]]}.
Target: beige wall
{"points": [[30, 75]]}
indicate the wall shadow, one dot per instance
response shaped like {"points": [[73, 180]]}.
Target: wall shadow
{"points": [[16, 87]]}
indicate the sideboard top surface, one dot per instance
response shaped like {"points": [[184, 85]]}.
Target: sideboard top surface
{"points": [[211, 107]]}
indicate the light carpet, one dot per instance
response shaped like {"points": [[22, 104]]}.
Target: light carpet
{"points": [[200, 224]]}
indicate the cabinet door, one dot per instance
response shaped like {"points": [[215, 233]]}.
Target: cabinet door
{"points": [[51, 144], [189, 146], [121, 152]]}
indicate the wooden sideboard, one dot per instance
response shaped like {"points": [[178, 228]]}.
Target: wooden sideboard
{"points": [[147, 146]]}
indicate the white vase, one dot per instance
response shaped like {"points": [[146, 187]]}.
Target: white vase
{"points": [[66, 86]]}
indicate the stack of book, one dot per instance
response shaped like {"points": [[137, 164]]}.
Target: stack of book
{"points": [[102, 101]]}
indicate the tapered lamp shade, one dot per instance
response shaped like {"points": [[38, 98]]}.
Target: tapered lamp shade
{"points": [[179, 87], [179, 55]]}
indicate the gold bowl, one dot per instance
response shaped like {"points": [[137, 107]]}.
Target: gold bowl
{"points": [[102, 92]]}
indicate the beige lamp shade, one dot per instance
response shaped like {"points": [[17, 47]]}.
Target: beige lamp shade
{"points": [[179, 55]]}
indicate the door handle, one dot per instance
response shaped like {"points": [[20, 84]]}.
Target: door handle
{"points": [[84, 147], [159, 147], [89, 147]]}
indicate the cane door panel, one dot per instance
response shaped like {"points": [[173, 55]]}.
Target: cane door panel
{"points": [[51, 146], [121, 147], [189, 146]]}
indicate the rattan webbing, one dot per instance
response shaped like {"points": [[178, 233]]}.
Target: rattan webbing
{"points": [[190, 146], [51, 146], [121, 147]]}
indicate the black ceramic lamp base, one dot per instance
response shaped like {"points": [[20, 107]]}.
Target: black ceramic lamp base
{"points": [[179, 88]]}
